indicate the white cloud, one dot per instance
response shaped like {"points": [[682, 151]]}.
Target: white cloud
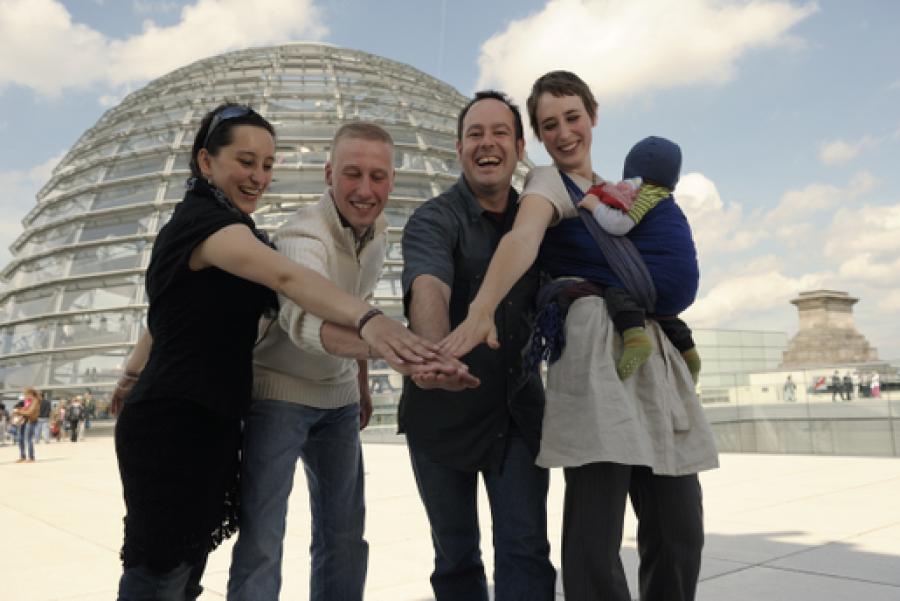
{"points": [[621, 47], [20, 188], [43, 49], [797, 206], [740, 296], [839, 152], [818, 236], [717, 226], [872, 255]]}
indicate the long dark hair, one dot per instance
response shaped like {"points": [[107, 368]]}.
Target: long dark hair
{"points": [[221, 135]]}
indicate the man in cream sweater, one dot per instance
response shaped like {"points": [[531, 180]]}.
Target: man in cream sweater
{"points": [[311, 386]]}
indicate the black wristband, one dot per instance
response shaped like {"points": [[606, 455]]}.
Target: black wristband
{"points": [[365, 319]]}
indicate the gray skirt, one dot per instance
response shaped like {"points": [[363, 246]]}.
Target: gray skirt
{"points": [[653, 418]]}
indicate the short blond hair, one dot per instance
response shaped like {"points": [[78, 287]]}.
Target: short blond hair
{"points": [[361, 130]]}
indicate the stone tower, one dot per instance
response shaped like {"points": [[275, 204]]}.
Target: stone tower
{"points": [[826, 334]]}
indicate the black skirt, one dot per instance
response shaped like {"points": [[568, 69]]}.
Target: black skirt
{"points": [[179, 464]]}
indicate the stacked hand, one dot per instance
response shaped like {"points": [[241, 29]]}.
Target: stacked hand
{"points": [[414, 356], [478, 327]]}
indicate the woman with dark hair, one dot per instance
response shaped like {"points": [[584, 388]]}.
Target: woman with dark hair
{"points": [[645, 436], [212, 274]]}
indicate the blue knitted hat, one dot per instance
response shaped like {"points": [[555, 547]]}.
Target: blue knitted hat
{"points": [[655, 160]]}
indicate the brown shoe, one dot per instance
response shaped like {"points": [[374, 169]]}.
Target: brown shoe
{"points": [[29, 461], [22, 460]]}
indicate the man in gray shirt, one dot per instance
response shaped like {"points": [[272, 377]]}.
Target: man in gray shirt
{"points": [[455, 432]]}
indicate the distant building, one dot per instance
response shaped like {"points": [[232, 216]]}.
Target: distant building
{"points": [[826, 333], [730, 356]]}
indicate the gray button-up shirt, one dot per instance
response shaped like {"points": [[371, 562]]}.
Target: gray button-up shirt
{"points": [[453, 238]]}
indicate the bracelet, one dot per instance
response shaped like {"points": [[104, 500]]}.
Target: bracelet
{"points": [[365, 319]]}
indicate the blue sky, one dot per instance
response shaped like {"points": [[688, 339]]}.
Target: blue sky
{"points": [[788, 111]]}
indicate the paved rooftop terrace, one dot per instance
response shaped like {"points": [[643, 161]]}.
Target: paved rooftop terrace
{"points": [[779, 528]]}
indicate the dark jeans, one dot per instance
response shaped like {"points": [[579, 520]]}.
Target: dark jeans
{"points": [[276, 434], [182, 583], [26, 440], [670, 533], [518, 500]]}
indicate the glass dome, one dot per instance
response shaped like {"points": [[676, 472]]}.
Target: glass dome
{"points": [[74, 302]]}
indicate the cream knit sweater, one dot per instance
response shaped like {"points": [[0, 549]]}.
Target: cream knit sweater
{"points": [[290, 364]]}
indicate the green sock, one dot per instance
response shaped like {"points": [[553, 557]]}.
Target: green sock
{"points": [[692, 358], [635, 352]]}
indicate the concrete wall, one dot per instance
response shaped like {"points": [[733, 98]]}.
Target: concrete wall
{"points": [[869, 428]]}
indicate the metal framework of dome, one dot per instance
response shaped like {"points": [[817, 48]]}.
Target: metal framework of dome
{"points": [[74, 302]]}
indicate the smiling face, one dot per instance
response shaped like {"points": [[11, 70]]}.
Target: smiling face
{"points": [[489, 151], [242, 170], [360, 176], [565, 130]]}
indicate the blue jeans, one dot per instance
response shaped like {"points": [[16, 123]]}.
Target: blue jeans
{"points": [[518, 500], [26, 438], [182, 583], [42, 430], [276, 434]]}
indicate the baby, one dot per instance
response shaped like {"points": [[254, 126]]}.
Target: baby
{"points": [[652, 169]]}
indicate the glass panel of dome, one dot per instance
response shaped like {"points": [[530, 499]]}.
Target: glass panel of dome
{"points": [[127, 224], [173, 115], [304, 156], [108, 293], [297, 182], [444, 165], [437, 140], [183, 159], [113, 257], [40, 270], [404, 159], [146, 140], [164, 217], [404, 136], [120, 196], [28, 337], [375, 112], [85, 177], [33, 302], [86, 367], [175, 188], [397, 216], [95, 329], [19, 373], [306, 105], [305, 130], [95, 153], [413, 189], [51, 238], [132, 167], [435, 121], [394, 251], [58, 209]]}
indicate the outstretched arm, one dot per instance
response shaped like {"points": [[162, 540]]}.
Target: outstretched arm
{"points": [[234, 249], [514, 255], [429, 316]]}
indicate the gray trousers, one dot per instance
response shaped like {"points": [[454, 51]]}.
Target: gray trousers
{"points": [[670, 533]]}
